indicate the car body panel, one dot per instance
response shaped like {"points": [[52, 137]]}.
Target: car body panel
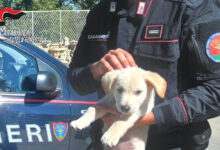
{"points": [[30, 121]]}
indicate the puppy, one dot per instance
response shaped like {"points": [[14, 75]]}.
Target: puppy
{"points": [[132, 92]]}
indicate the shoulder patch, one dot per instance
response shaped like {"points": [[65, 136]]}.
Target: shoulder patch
{"points": [[213, 47]]}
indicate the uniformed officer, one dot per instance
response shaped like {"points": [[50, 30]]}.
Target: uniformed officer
{"points": [[179, 39]]}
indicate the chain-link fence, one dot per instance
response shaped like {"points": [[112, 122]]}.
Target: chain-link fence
{"points": [[50, 25]]}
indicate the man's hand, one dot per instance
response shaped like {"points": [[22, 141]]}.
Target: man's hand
{"points": [[111, 114], [113, 60], [147, 120]]}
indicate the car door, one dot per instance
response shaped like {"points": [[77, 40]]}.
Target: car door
{"points": [[31, 119], [80, 139]]}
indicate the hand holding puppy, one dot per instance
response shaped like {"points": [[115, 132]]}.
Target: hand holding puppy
{"points": [[131, 92], [116, 60], [113, 60]]}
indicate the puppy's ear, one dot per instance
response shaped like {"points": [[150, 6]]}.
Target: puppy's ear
{"points": [[108, 80], [158, 82]]}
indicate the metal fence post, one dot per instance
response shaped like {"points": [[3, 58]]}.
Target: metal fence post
{"points": [[32, 20], [60, 27]]}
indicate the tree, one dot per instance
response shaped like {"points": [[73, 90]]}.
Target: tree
{"points": [[4, 3], [23, 4], [87, 4], [48, 4], [32, 4]]}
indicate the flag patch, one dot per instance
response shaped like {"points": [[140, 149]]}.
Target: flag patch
{"points": [[141, 8], [213, 47]]}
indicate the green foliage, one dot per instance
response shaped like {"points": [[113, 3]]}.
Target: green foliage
{"points": [[45, 4], [5, 3], [87, 4], [32, 4]]}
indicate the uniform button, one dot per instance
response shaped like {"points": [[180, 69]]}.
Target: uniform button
{"points": [[203, 137]]}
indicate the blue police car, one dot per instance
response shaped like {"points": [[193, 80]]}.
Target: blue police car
{"points": [[36, 101]]}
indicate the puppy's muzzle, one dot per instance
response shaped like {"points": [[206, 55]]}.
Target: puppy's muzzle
{"points": [[125, 108]]}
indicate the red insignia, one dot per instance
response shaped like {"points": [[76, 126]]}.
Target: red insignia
{"points": [[9, 13]]}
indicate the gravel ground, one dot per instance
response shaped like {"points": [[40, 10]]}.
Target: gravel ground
{"points": [[215, 138]]}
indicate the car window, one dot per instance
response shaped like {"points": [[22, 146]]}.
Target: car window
{"points": [[15, 65]]}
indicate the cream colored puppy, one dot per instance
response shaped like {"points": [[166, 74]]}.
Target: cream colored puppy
{"points": [[132, 92]]}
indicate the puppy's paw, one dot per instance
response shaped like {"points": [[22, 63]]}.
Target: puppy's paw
{"points": [[110, 139], [79, 124]]}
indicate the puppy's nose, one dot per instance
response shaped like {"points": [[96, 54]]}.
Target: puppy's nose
{"points": [[125, 108]]}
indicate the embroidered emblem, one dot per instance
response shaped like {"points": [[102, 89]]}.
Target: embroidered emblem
{"points": [[113, 7], [141, 8], [154, 32], [60, 130], [213, 47]]}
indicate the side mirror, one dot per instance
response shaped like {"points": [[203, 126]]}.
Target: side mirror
{"points": [[44, 82]]}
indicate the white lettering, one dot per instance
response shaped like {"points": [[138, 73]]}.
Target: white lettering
{"points": [[102, 36], [154, 31], [13, 133], [49, 136], [36, 133]]}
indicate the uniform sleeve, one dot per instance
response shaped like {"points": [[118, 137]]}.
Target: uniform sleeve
{"points": [[200, 42], [79, 73]]}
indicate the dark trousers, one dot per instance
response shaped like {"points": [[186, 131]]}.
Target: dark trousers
{"points": [[191, 137]]}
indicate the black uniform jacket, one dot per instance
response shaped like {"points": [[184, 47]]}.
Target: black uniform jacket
{"points": [[179, 39]]}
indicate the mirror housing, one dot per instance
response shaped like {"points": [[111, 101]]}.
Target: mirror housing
{"points": [[45, 82]]}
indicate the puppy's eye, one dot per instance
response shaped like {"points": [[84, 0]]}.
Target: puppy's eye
{"points": [[120, 90], [138, 92]]}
